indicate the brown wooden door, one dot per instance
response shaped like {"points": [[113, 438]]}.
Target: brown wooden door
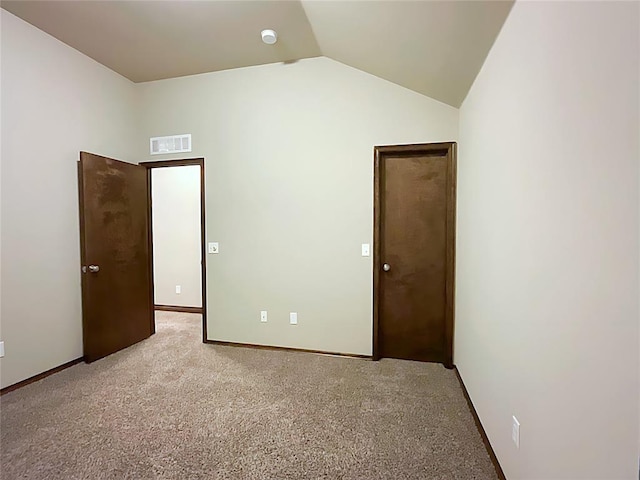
{"points": [[414, 252], [117, 308]]}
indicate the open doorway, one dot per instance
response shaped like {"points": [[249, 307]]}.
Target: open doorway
{"points": [[177, 236]]}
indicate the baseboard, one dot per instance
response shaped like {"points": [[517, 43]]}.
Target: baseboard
{"points": [[177, 308], [40, 376], [287, 349], [483, 434]]}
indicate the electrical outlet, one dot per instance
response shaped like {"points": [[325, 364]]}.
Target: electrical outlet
{"points": [[515, 432], [1, 349], [263, 316], [178, 289], [214, 247], [293, 318]]}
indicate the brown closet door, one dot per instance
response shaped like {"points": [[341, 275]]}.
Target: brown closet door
{"points": [[414, 252]]}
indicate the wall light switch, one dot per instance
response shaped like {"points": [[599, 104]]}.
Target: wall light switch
{"points": [[515, 432], [263, 316], [178, 289], [293, 318], [365, 249], [1, 349], [213, 247]]}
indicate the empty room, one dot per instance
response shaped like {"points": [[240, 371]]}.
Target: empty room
{"points": [[307, 239]]}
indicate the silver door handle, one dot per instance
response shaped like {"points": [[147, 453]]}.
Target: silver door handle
{"points": [[94, 268], [386, 267]]}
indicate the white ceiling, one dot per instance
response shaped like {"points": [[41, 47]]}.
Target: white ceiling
{"points": [[433, 47]]}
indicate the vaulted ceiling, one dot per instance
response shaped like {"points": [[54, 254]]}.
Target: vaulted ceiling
{"points": [[433, 47]]}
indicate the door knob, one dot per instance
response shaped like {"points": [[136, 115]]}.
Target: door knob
{"points": [[386, 267], [94, 268]]}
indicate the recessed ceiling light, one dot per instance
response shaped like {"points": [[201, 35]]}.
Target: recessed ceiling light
{"points": [[269, 36]]}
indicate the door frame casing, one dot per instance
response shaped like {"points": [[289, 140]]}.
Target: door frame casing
{"points": [[380, 153], [203, 246]]}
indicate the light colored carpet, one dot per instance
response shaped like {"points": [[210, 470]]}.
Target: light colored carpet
{"points": [[173, 407]]}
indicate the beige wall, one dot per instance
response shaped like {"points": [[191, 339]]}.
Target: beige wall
{"points": [[289, 186], [55, 102], [547, 277], [175, 197]]}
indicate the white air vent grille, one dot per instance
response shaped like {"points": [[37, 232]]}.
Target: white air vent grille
{"points": [[171, 144]]}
